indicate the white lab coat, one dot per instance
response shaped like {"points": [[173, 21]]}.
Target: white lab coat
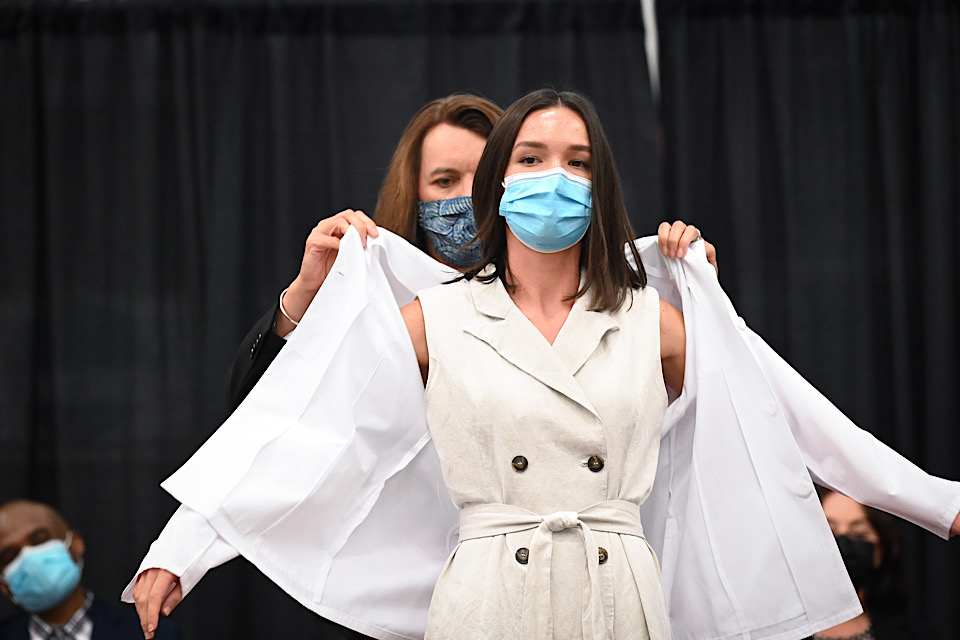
{"points": [[325, 478]]}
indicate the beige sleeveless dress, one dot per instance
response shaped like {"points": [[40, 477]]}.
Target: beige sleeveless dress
{"points": [[547, 451]]}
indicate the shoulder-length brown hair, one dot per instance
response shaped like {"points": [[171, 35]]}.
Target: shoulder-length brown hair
{"points": [[397, 203], [609, 277]]}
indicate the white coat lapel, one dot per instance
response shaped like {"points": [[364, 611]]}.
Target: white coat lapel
{"points": [[504, 327]]}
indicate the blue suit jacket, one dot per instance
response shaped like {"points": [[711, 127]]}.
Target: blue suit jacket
{"points": [[109, 623]]}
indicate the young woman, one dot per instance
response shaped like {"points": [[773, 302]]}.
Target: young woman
{"points": [[555, 307]]}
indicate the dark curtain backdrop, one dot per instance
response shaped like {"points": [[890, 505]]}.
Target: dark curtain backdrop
{"points": [[161, 164], [818, 144]]}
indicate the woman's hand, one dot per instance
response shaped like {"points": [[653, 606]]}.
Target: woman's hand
{"points": [[320, 252], [955, 529], [674, 240], [156, 590]]}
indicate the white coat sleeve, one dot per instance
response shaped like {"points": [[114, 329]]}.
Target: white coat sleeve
{"points": [[187, 547], [845, 458]]}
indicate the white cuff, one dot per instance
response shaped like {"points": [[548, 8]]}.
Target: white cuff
{"points": [[187, 547]]}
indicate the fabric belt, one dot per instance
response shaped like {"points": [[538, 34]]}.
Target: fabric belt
{"points": [[613, 516]]}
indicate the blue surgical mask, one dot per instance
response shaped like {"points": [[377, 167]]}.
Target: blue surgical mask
{"points": [[548, 211], [42, 576], [449, 225]]}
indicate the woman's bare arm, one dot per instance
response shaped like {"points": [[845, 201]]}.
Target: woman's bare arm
{"points": [[673, 345], [413, 318]]}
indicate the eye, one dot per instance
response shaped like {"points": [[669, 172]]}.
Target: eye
{"points": [[860, 532], [445, 182], [39, 537], [528, 160], [580, 164]]}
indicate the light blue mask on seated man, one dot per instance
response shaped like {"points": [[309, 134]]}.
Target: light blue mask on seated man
{"points": [[43, 575], [450, 226], [548, 211]]}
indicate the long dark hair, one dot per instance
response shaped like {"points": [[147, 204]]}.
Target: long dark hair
{"points": [[609, 277]]}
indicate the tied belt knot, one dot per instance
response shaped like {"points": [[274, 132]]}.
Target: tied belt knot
{"points": [[561, 520], [612, 516]]}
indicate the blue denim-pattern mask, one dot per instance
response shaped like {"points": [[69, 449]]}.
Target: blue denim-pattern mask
{"points": [[42, 576], [449, 225], [548, 211]]}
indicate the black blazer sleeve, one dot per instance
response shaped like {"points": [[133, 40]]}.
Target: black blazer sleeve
{"points": [[255, 354], [15, 627]]}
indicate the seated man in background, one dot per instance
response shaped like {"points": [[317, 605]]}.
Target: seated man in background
{"points": [[40, 561]]}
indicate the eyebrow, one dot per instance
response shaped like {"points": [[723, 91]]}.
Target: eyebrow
{"points": [[42, 529], [441, 170], [540, 145]]}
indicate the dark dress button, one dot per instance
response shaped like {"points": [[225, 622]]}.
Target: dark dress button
{"points": [[595, 463], [603, 554], [523, 555], [519, 463]]}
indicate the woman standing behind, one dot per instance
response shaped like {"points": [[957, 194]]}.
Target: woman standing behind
{"points": [[425, 198]]}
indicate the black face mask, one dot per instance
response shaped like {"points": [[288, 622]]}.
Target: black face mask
{"points": [[858, 557]]}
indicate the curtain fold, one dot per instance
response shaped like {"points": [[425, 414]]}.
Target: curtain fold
{"points": [[818, 145]]}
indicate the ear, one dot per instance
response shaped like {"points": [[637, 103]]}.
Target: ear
{"points": [[77, 547]]}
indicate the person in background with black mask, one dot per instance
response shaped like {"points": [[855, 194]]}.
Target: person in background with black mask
{"points": [[871, 545], [41, 560]]}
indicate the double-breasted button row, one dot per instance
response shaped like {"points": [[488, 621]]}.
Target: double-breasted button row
{"points": [[523, 555], [594, 463]]}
